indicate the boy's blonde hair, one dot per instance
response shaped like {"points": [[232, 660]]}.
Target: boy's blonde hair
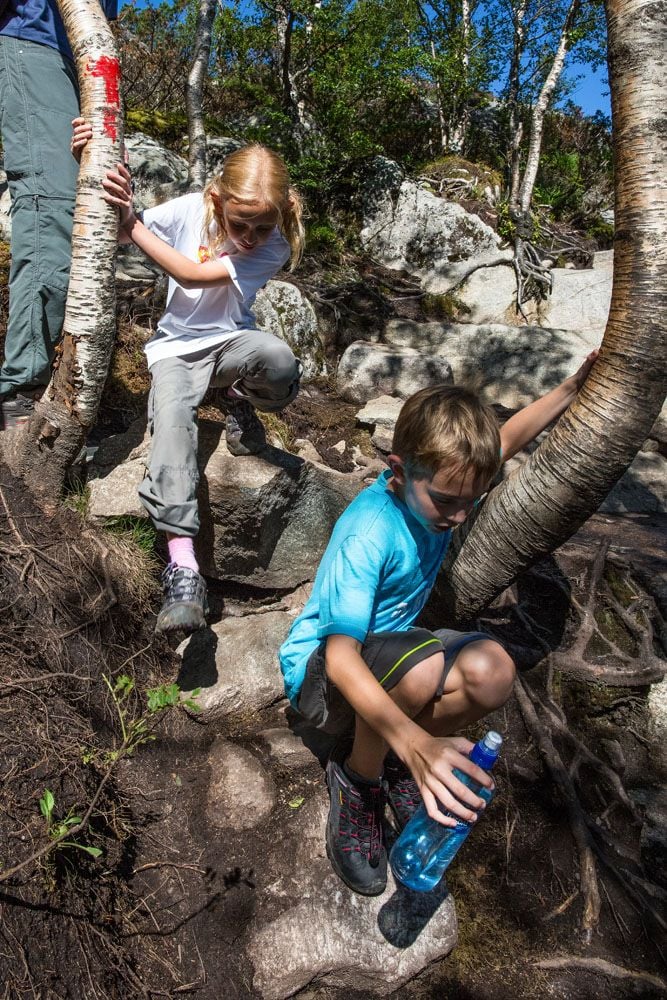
{"points": [[449, 427], [249, 175]]}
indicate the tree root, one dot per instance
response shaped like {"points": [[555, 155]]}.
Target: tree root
{"points": [[638, 670], [565, 784], [604, 968]]}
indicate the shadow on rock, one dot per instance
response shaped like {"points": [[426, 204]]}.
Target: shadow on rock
{"points": [[406, 914], [198, 668]]}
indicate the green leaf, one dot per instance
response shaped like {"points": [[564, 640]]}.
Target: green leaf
{"points": [[296, 802], [94, 852], [46, 804]]}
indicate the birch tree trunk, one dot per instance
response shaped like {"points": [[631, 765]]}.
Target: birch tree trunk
{"points": [[50, 442], [525, 194], [193, 96], [569, 475], [530, 273]]}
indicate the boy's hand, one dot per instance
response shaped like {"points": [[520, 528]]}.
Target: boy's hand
{"points": [[118, 191], [432, 762], [82, 132], [582, 374]]}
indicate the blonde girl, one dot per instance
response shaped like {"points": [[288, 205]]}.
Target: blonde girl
{"points": [[219, 248]]}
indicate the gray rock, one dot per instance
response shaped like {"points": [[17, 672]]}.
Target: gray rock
{"points": [[380, 416], [5, 209], [158, 173], [379, 187], [235, 664], [487, 296], [603, 260], [218, 149], [265, 519], [369, 370], [511, 365], [415, 230], [579, 300], [316, 930], [643, 488], [270, 514], [241, 794], [284, 311], [287, 748], [115, 495]]}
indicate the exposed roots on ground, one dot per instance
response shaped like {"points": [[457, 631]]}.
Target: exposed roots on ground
{"points": [[73, 603], [613, 645]]}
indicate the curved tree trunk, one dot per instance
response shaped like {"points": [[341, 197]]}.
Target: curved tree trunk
{"points": [[565, 480], [193, 96], [54, 436]]}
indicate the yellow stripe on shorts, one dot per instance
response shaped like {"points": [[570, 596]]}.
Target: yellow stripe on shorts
{"points": [[405, 656]]}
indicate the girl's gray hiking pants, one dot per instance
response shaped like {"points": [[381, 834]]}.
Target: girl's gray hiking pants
{"points": [[261, 368], [38, 100]]}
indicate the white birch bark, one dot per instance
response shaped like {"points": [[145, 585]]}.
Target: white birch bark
{"points": [[525, 193], [193, 95]]}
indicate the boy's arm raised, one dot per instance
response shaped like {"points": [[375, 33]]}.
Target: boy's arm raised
{"points": [[431, 760], [525, 425]]}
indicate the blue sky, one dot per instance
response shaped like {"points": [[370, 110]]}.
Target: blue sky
{"points": [[591, 92]]}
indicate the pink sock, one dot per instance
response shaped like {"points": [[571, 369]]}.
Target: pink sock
{"points": [[181, 552]]}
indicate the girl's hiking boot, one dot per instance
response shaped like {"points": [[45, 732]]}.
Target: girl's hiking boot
{"points": [[354, 832], [244, 431], [403, 793], [185, 606]]}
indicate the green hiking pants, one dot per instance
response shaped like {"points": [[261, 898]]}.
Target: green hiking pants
{"points": [[38, 99]]}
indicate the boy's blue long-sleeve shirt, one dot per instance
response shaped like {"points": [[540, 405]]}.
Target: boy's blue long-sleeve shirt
{"points": [[375, 576]]}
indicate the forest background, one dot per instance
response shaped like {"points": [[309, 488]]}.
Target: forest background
{"points": [[331, 84]]}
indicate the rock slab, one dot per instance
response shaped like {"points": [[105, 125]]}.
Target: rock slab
{"points": [[368, 370], [316, 930], [235, 664], [241, 793]]}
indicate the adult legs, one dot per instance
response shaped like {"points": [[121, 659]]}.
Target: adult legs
{"points": [[38, 99]]}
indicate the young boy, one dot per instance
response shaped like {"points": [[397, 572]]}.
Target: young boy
{"points": [[353, 660]]}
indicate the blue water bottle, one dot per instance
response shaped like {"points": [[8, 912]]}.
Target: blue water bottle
{"points": [[425, 848]]}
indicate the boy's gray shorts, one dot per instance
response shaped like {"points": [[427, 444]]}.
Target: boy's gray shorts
{"points": [[389, 656]]}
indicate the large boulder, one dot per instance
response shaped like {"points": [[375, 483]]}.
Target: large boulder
{"points": [[218, 148], [511, 365], [157, 172], [313, 929], [579, 300], [235, 664], [369, 370], [283, 310], [406, 227], [265, 518]]}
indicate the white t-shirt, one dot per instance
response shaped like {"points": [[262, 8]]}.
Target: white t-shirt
{"points": [[197, 318]]}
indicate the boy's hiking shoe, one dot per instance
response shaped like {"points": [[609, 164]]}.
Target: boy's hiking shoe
{"points": [[354, 832], [185, 606], [403, 793], [15, 412], [244, 431]]}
